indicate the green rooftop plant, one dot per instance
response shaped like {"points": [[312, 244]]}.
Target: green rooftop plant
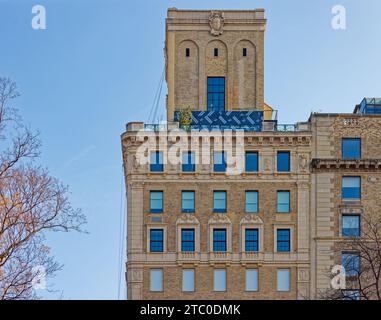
{"points": [[185, 118]]}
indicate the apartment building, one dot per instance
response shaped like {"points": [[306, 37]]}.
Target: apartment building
{"points": [[234, 205]]}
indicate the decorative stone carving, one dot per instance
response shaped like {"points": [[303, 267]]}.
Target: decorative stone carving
{"points": [[187, 218], [268, 164], [216, 22], [137, 275], [136, 162], [303, 162], [219, 218], [251, 219], [372, 179], [303, 275]]}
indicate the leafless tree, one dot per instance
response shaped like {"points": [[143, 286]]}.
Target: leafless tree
{"points": [[31, 204], [363, 271]]}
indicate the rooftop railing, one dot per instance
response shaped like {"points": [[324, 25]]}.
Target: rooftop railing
{"points": [[266, 126]]}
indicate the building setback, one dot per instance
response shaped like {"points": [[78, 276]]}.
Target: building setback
{"points": [[269, 227]]}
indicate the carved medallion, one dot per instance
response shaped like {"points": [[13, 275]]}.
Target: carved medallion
{"points": [[216, 22]]}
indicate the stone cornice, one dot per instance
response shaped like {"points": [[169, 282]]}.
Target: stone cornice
{"points": [[345, 165]]}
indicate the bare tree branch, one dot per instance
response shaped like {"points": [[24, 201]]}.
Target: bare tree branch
{"points": [[31, 204]]}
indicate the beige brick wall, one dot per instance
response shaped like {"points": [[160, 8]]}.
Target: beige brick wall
{"points": [[187, 76], [235, 208], [267, 284]]}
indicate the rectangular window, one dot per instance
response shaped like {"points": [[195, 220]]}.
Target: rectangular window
{"points": [[244, 52], [251, 201], [156, 201], [350, 226], [219, 280], [188, 280], [251, 240], [283, 161], [219, 201], [283, 240], [351, 263], [188, 164], [216, 52], [351, 188], [187, 201], [251, 280], [156, 280], [283, 201], [156, 161], [219, 160], [187, 52], [156, 240], [351, 148], [219, 240], [283, 280], [187, 240], [351, 294], [216, 94], [251, 161]]}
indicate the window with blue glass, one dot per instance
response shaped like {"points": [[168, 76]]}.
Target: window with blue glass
{"points": [[219, 239], [283, 240], [351, 188], [251, 161], [351, 294], [216, 93], [251, 240], [283, 201], [219, 201], [156, 201], [219, 160], [351, 148], [251, 201], [187, 201], [283, 161], [187, 240], [351, 263], [188, 164], [156, 161], [156, 240], [350, 226]]}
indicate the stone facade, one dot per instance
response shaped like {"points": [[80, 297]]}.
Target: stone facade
{"points": [[186, 76], [314, 179]]}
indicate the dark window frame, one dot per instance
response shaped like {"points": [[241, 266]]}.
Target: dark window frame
{"points": [[347, 235], [283, 245], [279, 163], [157, 166], [289, 201], [343, 151], [194, 201], [153, 241], [216, 93], [188, 167], [219, 167], [224, 210], [186, 244], [343, 197], [187, 52], [353, 253], [247, 164], [220, 245], [160, 210], [257, 192], [254, 242]]}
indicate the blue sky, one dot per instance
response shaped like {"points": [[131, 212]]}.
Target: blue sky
{"points": [[97, 66]]}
